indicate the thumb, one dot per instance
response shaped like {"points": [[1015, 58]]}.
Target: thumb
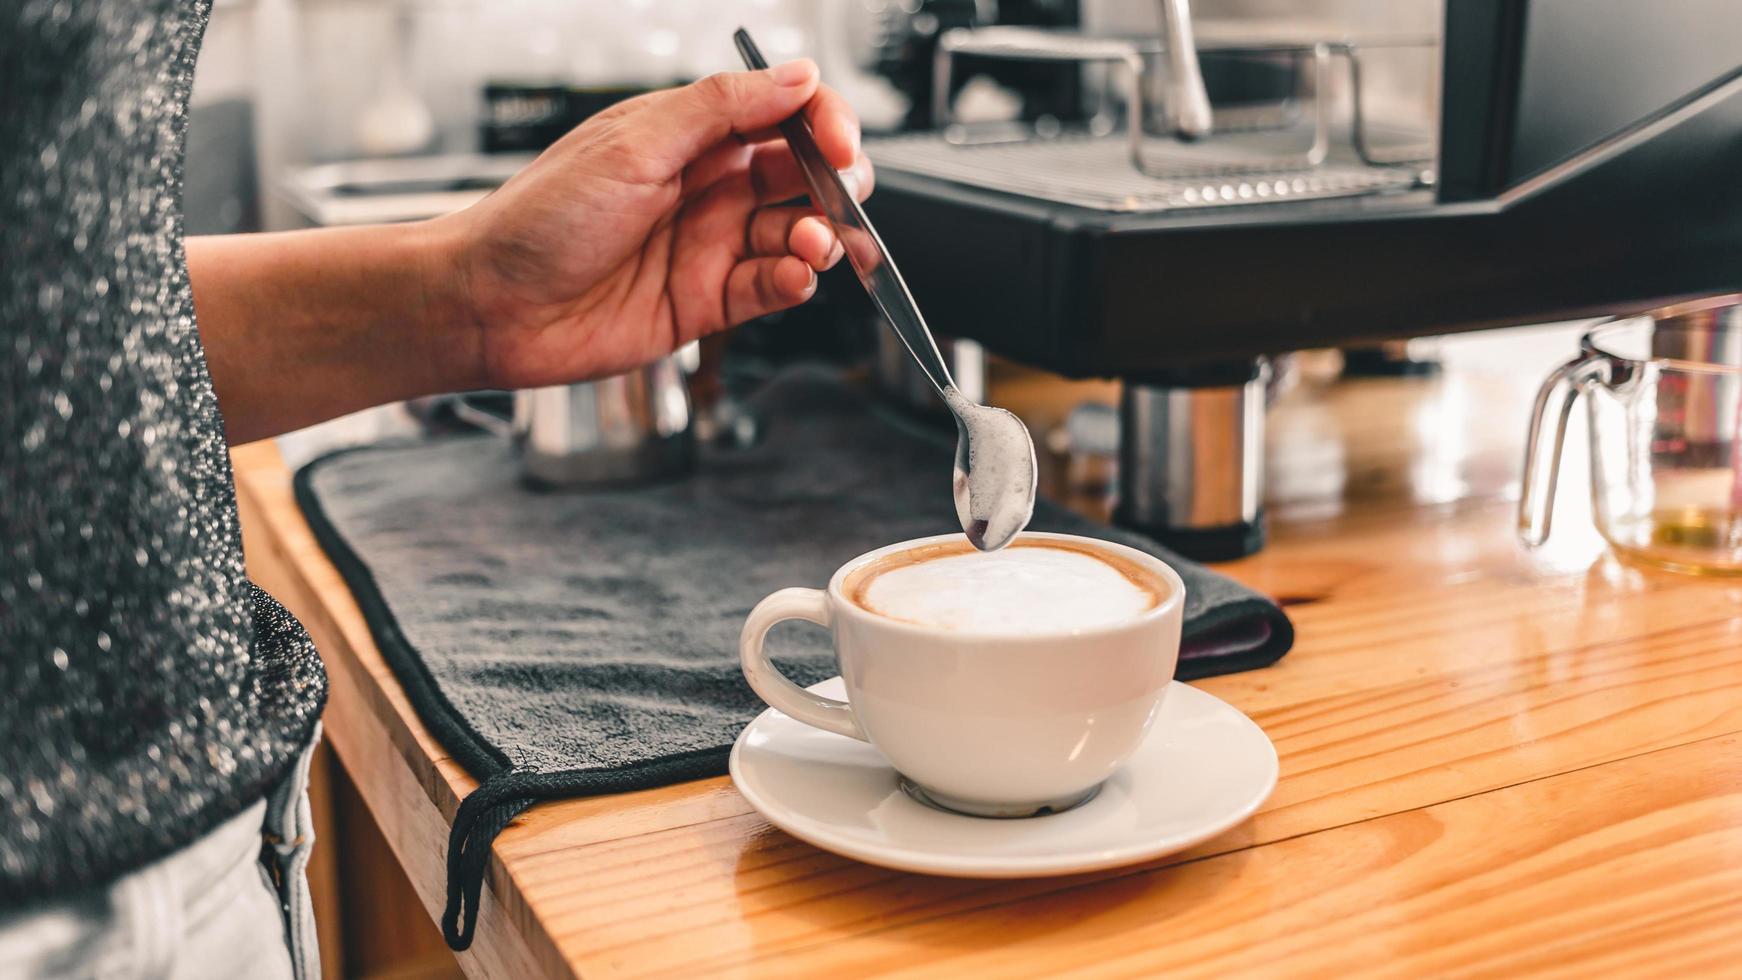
{"points": [[690, 120]]}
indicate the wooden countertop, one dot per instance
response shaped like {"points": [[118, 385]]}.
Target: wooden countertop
{"points": [[1492, 762]]}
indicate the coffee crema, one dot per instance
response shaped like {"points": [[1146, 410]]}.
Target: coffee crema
{"points": [[1032, 586]]}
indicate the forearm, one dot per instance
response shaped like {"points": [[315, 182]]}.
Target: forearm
{"points": [[304, 326]]}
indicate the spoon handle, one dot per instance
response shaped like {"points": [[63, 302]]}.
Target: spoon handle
{"points": [[859, 239]]}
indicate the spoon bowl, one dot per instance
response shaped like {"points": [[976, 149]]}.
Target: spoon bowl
{"points": [[995, 472]]}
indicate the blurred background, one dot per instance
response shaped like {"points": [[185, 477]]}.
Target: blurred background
{"points": [[286, 84]]}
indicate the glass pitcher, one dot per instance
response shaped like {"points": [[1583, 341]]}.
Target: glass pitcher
{"points": [[1664, 396]]}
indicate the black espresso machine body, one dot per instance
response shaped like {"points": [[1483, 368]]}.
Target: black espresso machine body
{"points": [[1624, 203], [1589, 161]]}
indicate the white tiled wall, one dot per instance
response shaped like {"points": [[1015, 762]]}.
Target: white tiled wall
{"points": [[311, 66]]}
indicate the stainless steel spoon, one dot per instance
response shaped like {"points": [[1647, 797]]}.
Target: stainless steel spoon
{"points": [[995, 468]]}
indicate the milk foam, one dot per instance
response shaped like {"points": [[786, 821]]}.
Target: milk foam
{"points": [[1017, 590], [1001, 473]]}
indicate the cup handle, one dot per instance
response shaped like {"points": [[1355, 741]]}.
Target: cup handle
{"points": [[1536, 501], [770, 684]]}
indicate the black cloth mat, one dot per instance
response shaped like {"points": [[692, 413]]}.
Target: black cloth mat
{"points": [[564, 644]]}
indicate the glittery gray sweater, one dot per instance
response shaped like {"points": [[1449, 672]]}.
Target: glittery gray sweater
{"points": [[148, 691]]}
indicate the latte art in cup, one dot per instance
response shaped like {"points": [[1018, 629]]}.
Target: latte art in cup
{"points": [[1029, 587]]}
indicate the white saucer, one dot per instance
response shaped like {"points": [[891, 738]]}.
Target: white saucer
{"points": [[1204, 768]]}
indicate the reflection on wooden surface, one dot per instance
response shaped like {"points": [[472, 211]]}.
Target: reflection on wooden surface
{"points": [[1492, 762]]}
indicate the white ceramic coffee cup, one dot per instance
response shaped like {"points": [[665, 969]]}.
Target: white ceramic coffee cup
{"points": [[987, 723]]}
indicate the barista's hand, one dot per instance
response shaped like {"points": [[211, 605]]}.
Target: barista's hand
{"points": [[652, 224]]}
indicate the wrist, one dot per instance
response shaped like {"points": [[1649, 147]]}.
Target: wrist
{"points": [[451, 330]]}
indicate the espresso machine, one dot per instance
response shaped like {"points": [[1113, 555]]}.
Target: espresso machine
{"points": [[1235, 185]]}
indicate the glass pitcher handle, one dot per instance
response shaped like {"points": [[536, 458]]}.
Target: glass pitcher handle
{"points": [[1541, 473]]}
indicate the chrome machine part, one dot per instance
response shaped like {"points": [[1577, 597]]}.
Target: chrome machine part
{"points": [[1191, 459], [1188, 104], [902, 380], [1176, 166], [626, 429]]}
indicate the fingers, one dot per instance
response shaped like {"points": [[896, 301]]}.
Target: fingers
{"points": [[679, 126], [795, 231], [760, 286], [814, 241], [774, 170], [729, 159], [835, 126], [861, 178], [777, 177]]}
